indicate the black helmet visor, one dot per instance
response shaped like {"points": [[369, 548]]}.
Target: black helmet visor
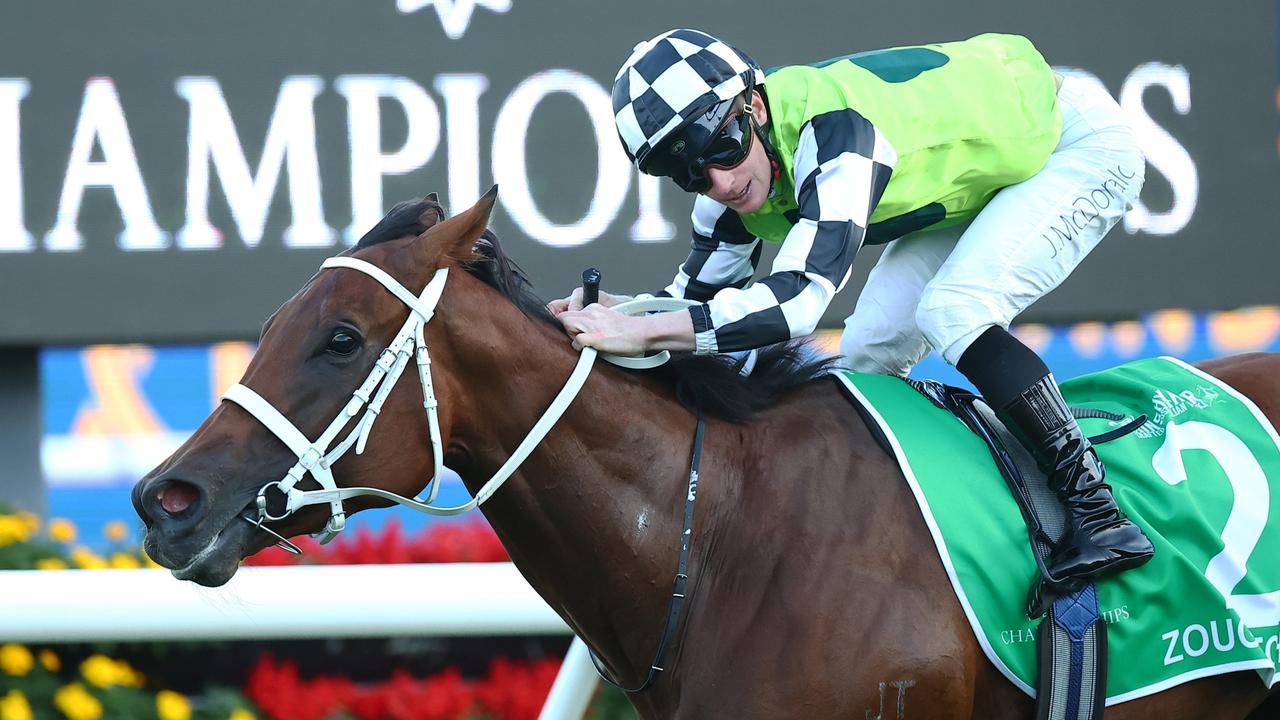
{"points": [[717, 138]]}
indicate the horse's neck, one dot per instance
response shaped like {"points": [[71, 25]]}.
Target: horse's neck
{"points": [[593, 517]]}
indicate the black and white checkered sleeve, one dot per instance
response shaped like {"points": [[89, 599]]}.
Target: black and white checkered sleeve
{"points": [[842, 165], [724, 254]]}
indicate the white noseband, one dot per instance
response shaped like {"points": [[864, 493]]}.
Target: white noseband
{"points": [[318, 459]]}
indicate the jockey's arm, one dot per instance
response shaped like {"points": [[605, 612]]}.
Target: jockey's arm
{"points": [[842, 164], [723, 255], [839, 181]]}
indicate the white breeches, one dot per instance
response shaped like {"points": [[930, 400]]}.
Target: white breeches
{"points": [[942, 289]]}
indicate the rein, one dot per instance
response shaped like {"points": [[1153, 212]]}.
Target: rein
{"points": [[317, 459], [677, 591]]}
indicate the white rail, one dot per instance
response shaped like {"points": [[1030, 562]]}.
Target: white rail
{"points": [[447, 599]]}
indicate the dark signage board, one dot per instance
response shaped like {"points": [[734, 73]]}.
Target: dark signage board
{"points": [[173, 171]]}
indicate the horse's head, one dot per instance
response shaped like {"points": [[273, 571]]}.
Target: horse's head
{"points": [[314, 362]]}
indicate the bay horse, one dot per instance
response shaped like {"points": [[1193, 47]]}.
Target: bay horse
{"points": [[814, 583]]}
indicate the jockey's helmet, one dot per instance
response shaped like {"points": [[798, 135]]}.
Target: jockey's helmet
{"points": [[672, 98]]}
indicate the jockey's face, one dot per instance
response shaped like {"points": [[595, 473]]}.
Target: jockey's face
{"points": [[745, 187]]}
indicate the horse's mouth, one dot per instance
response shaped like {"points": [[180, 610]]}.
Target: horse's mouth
{"points": [[218, 561], [215, 561], [208, 551]]}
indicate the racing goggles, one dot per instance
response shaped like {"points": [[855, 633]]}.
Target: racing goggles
{"points": [[720, 138]]}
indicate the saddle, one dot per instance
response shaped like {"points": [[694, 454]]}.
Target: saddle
{"points": [[1040, 507], [1203, 470], [1072, 639]]}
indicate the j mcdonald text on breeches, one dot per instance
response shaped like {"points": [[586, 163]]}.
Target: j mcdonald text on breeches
{"points": [[1088, 206]]}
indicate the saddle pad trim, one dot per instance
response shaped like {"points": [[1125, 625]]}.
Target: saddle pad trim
{"points": [[936, 532]]}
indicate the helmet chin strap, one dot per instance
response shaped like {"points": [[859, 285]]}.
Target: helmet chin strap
{"points": [[762, 134]]}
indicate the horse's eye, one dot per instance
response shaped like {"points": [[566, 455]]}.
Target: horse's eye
{"points": [[343, 343]]}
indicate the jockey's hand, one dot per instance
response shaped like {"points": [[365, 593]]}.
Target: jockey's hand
{"points": [[574, 302], [610, 331], [605, 330]]}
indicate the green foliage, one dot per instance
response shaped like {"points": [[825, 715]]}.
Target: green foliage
{"points": [[27, 555], [611, 704]]}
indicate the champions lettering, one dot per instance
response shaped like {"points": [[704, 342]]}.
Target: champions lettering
{"points": [[102, 155], [1220, 636], [290, 157], [1028, 634]]}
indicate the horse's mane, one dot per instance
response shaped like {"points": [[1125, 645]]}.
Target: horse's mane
{"points": [[711, 384]]}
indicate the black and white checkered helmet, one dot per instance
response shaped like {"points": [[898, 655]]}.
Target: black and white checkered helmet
{"points": [[670, 81]]}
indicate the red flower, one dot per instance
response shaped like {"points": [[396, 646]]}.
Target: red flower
{"points": [[283, 695], [511, 690], [276, 556], [517, 691], [441, 541]]}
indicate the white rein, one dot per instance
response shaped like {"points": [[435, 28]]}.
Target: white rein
{"points": [[316, 457]]}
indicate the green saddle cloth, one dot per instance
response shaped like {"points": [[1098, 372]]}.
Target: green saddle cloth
{"points": [[1202, 479]]}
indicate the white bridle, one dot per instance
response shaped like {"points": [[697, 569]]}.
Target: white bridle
{"points": [[316, 457]]}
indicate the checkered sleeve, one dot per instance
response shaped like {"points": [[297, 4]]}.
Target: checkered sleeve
{"points": [[842, 165], [724, 254]]}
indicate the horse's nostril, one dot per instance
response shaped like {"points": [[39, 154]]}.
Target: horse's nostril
{"points": [[177, 496]]}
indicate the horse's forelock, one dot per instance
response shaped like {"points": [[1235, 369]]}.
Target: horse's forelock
{"points": [[485, 258], [407, 219]]}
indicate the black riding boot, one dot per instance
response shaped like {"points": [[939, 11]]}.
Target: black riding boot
{"points": [[1016, 382], [1099, 538]]}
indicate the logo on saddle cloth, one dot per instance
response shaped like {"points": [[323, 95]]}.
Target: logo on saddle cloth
{"points": [[1201, 477], [1173, 404], [1167, 404]]}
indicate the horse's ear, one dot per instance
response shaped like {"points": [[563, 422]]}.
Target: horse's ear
{"points": [[456, 237], [434, 213]]}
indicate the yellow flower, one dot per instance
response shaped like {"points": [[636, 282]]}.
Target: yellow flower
{"points": [[14, 706], [103, 672], [13, 529], [241, 714], [49, 660], [88, 559], [124, 561], [16, 660], [172, 706], [51, 564], [31, 520], [130, 677], [100, 671], [62, 530], [76, 703], [115, 531]]}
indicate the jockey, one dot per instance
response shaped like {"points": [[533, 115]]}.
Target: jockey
{"points": [[988, 175]]}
